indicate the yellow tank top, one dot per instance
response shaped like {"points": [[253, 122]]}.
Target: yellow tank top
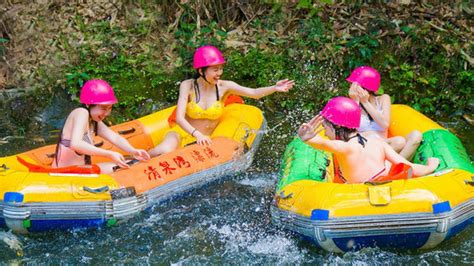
{"points": [[194, 111]]}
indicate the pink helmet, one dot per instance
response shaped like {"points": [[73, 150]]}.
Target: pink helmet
{"points": [[342, 111], [367, 77], [97, 91], [207, 56]]}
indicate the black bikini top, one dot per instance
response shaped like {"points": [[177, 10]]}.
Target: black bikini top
{"points": [[361, 139]]}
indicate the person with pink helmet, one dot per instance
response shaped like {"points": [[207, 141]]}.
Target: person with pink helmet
{"points": [[359, 159], [201, 100], [76, 146], [375, 120]]}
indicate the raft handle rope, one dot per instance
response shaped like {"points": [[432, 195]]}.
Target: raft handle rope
{"points": [[130, 163], [5, 167], [282, 195], [96, 190], [469, 182], [127, 131], [99, 144], [376, 183]]}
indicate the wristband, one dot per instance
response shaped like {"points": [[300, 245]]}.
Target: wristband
{"points": [[192, 134]]}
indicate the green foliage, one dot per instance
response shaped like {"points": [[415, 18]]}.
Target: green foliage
{"points": [[132, 85], [429, 75], [189, 37], [138, 79], [2, 48], [361, 50]]}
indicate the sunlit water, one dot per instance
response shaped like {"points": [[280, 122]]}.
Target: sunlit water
{"points": [[227, 222]]}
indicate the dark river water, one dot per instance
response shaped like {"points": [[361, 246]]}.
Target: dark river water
{"points": [[228, 222]]}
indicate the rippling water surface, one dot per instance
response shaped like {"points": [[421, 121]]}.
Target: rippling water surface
{"points": [[227, 222]]}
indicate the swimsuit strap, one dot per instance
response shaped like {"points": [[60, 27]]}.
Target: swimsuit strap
{"points": [[197, 92], [371, 119], [377, 174], [361, 139], [373, 177]]}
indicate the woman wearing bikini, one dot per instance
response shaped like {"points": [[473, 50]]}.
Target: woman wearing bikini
{"points": [[200, 103], [375, 118], [360, 159]]}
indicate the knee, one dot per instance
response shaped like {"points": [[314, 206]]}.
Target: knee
{"points": [[415, 137], [169, 144], [172, 136], [398, 143], [171, 141]]}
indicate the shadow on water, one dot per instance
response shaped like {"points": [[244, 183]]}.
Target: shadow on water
{"points": [[228, 222]]}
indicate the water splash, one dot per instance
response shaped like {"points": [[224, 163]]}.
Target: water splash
{"points": [[12, 242]]}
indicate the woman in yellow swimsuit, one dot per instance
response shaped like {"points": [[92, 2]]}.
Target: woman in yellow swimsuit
{"points": [[200, 100]]}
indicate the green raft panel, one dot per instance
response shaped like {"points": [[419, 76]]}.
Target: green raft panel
{"points": [[302, 162], [444, 145]]}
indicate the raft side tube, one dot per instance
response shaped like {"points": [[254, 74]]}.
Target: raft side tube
{"points": [[302, 162], [445, 146]]}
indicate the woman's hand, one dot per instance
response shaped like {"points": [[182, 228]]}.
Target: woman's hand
{"points": [[433, 163], [363, 95], [202, 139], [353, 92], [141, 155], [118, 159], [309, 130], [284, 85]]}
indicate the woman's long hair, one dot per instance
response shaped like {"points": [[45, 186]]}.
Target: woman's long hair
{"points": [[197, 75], [342, 133]]}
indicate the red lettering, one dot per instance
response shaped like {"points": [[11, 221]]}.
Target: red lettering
{"points": [[210, 153], [197, 156], [167, 168], [181, 162], [151, 172]]}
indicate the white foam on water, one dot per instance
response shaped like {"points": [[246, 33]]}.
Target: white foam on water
{"points": [[149, 222], [186, 233], [85, 259], [259, 182], [364, 256], [272, 245], [191, 260], [12, 241], [239, 239]]}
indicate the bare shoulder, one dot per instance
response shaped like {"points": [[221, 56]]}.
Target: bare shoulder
{"points": [[78, 112], [78, 116], [226, 84], [385, 98], [376, 142], [186, 85], [342, 147]]}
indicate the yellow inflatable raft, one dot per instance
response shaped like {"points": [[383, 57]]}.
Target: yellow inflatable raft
{"points": [[34, 200], [410, 213]]}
